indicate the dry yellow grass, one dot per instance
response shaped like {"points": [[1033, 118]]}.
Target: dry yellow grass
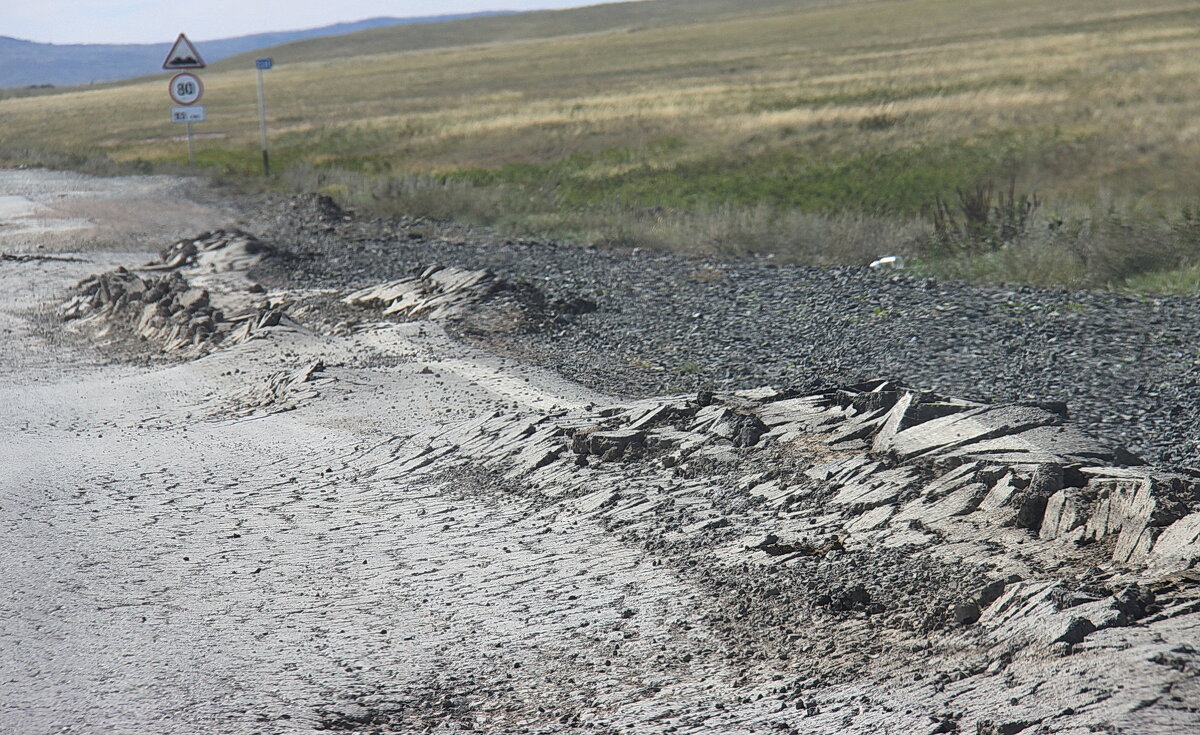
{"points": [[1081, 98], [1117, 74]]}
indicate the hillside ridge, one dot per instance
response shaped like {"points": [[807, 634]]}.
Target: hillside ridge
{"points": [[31, 63]]}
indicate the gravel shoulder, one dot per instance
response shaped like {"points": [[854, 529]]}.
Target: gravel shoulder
{"points": [[1128, 367]]}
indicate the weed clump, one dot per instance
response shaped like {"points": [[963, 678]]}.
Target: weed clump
{"points": [[991, 237], [981, 220]]}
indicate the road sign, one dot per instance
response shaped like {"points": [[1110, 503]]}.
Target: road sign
{"points": [[183, 55], [188, 114], [264, 64], [186, 88]]}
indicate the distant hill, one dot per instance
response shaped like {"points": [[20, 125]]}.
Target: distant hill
{"points": [[630, 15], [27, 63]]}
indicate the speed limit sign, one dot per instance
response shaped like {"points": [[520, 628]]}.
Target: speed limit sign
{"points": [[186, 88]]}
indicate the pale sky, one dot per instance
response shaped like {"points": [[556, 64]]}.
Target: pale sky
{"points": [[159, 21]]}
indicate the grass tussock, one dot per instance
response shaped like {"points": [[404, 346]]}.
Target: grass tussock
{"points": [[1093, 246]]}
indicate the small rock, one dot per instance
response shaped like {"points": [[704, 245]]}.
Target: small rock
{"points": [[1076, 630], [966, 613], [193, 298]]}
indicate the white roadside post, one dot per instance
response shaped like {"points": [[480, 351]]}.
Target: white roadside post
{"points": [[262, 65], [185, 88]]}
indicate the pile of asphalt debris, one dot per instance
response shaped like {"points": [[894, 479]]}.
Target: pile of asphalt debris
{"points": [[1127, 366], [163, 308], [990, 564], [475, 301], [156, 310]]}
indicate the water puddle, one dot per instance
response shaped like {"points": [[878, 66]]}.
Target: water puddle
{"points": [[14, 207], [22, 216]]}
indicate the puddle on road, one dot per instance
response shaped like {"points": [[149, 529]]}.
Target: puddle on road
{"points": [[13, 207], [22, 216]]}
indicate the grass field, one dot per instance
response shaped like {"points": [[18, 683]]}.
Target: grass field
{"points": [[821, 131]]}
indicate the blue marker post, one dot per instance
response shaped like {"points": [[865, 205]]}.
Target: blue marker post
{"points": [[261, 65]]}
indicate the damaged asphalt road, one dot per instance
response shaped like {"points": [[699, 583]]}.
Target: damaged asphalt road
{"points": [[243, 497]]}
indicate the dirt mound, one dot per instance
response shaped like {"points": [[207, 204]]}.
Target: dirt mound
{"points": [[316, 212]]}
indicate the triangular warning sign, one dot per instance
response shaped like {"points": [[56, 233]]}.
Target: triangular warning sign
{"points": [[183, 55]]}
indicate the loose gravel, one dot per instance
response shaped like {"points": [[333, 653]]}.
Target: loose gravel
{"points": [[1128, 366]]}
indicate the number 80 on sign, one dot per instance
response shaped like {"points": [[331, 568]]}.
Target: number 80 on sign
{"points": [[186, 89]]}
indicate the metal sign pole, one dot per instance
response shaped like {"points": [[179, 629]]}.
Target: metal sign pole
{"points": [[191, 147], [262, 123]]}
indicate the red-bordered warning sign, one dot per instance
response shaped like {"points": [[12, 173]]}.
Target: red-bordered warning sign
{"points": [[183, 55]]}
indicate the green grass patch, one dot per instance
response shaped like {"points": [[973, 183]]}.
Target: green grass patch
{"points": [[903, 181], [1185, 280]]}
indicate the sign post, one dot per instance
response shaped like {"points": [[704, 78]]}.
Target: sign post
{"points": [[185, 88], [262, 65]]}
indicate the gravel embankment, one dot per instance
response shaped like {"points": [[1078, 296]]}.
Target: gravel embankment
{"points": [[1127, 366]]}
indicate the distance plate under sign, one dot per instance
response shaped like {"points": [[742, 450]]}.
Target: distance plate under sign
{"points": [[186, 89], [188, 114]]}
